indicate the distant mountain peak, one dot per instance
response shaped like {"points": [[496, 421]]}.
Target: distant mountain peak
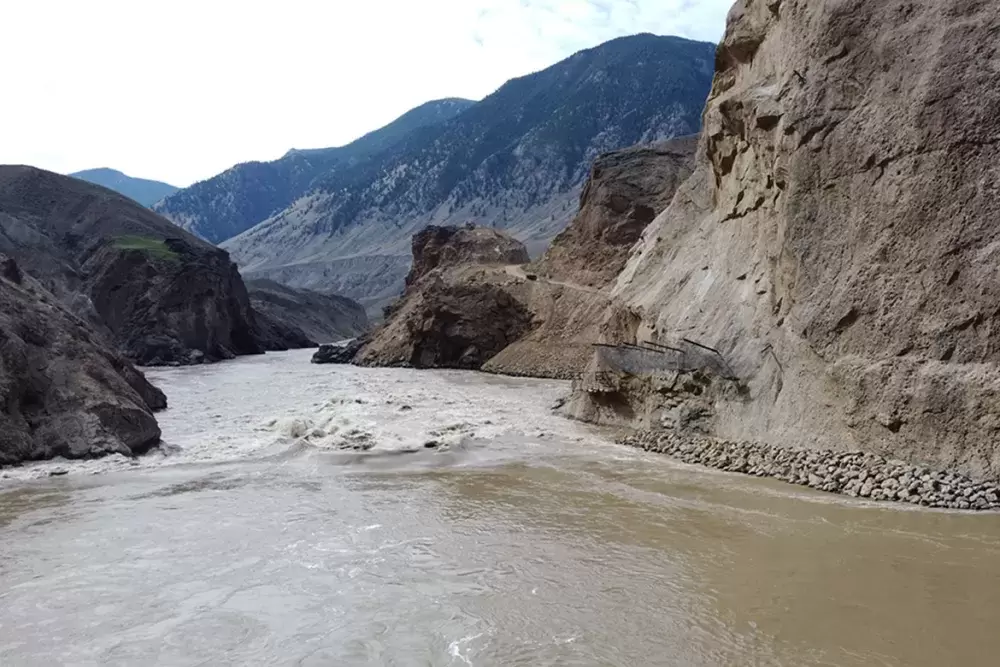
{"points": [[142, 190], [247, 194]]}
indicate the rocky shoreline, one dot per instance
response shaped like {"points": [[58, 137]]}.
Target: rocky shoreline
{"points": [[856, 474]]}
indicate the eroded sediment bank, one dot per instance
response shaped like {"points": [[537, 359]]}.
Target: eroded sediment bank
{"points": [[856, 474]]}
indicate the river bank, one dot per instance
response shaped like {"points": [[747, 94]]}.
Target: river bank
{"points": [[856, 474]]}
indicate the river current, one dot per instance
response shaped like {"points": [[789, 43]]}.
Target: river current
{"points": [[295, 516]]}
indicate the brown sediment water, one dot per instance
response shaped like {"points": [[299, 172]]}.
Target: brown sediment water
{"points": [[295, 517]]}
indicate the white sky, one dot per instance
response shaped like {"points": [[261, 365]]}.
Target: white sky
{"points": [[179, 90]]}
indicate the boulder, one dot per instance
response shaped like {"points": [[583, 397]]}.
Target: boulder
{"points": [[63, 390]]}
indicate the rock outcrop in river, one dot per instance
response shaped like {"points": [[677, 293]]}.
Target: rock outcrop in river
{"points": [[160, 294], [448, 317], [837, 242], [63, 392]]}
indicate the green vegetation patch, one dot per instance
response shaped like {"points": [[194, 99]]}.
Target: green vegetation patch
{"points": [[154, 247]]}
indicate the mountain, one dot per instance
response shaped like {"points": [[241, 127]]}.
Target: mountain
{"points": [[144, 191], [516, 160], [159, 294], [239, 198]]}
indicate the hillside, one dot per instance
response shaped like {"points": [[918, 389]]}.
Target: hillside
{"points": [[237, 199], [159, 294], [516, 161], [144, 191]]}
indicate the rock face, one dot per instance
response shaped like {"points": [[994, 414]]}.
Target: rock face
{"points": [[234, 201], [339, 353], [161, 295], [319, 318], [142, 190], [446, 247], [515, 161], [444, 319], [626, 190], [63, 392], [837, 241]]}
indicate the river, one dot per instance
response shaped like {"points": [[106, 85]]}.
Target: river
{"points": [[254, 538]]}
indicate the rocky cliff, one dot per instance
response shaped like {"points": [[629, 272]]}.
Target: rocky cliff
{"points": [[448, 317], [626, 190], [318, 318], [836, 243], [514, 161], [63, 392], [158, 293]]}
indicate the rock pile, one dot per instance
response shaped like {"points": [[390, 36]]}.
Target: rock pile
{"points": [[856, 474]]}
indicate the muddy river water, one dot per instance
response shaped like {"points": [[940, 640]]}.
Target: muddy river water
{"points": [[255, 538]]}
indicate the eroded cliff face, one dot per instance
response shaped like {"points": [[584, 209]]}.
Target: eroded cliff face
{"points": [[837, 242], [626, 190], [442, 248], [63, 392]]}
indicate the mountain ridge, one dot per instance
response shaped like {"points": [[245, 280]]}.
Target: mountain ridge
{"points": [[143, 190], [229, 203]]}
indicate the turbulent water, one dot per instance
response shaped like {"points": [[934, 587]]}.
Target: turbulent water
{"points": [[255, 538]]}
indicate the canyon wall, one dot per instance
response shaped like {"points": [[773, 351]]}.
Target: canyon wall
{"points": [[837, 242]]}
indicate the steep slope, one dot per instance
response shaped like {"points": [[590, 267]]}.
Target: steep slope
{"points": [[62, 391], [158, 293], [321, 318], [837, 243], [239, 198], [144, 191], [514, 161]]}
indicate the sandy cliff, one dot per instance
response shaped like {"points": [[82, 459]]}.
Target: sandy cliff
{"points": [[837, 243]]}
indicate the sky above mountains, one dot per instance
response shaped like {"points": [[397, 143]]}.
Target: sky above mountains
{"points": [[179, 91]]}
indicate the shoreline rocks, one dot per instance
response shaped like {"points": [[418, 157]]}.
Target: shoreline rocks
{"points": [[851, 473]]}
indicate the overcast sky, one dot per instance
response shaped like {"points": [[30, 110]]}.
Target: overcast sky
{"points": [[179, 90]]}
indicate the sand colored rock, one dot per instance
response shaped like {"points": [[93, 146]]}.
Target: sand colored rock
{"points": [[837, 241]]}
